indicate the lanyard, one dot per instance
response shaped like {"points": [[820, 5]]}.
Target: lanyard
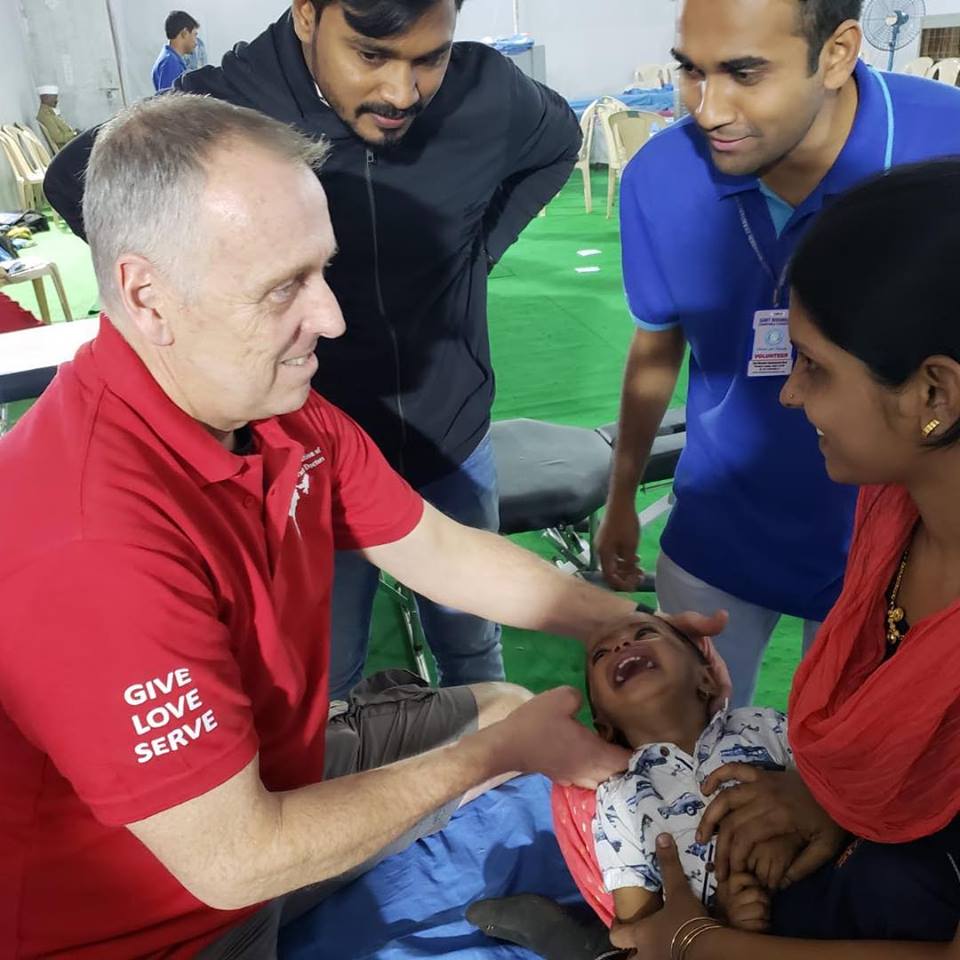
{"points": [[778, 284]]}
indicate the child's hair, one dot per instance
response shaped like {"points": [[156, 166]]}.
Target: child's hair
{"points": [[618, 738]]}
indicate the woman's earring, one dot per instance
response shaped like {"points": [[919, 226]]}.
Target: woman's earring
{"points": [[929, 428]]}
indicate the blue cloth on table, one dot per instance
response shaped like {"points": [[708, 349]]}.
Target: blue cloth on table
{"points": [[518, 43], [655, 100], [412, 904]]}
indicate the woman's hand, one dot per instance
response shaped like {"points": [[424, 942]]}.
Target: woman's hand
{"points": [[652, 937], [764, 805]]}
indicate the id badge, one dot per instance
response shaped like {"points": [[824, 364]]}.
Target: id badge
{"points": [[772, 354]]}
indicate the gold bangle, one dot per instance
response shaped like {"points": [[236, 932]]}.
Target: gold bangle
{"points": [[679, 931], [693, 934], [674, 955], [688, 943]]}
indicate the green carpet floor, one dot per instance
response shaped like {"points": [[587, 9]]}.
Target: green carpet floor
{"points": [[559, 340]]}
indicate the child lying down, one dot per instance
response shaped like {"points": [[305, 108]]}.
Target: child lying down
{"points": [[656, 692], [660, 694]]}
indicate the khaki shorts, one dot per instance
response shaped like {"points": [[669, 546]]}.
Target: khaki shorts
{"points": [[390, 716]]}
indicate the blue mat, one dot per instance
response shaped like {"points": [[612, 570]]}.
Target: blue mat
{"points": [[412, 904]]}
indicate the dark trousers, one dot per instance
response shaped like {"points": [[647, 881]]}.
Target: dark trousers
{"points": [[876, 891]]}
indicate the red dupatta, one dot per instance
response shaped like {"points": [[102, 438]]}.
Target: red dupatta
{"points": [[878, 743]]}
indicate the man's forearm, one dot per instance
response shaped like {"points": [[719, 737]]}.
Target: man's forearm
{"points": [[487, 575], [737, 945], [329, 828], [648, 385], [262, 845]]}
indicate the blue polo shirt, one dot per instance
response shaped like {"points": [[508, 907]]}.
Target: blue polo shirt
{"points": [[168, 67], [756, 514]]}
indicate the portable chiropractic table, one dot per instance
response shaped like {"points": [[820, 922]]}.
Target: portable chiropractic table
{"points": [[554, 478]]}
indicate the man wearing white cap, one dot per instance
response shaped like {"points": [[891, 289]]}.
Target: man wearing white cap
{"points": [[58, 131]]}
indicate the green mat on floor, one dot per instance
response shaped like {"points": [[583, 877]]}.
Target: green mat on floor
{"points": [[559, 331]]}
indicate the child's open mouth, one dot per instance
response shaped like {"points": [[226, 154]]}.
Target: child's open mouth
{"points": [[633, 661]]}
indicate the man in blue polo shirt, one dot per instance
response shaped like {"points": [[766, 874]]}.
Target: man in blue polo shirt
{"points": [[783, 118], [181, 30]]}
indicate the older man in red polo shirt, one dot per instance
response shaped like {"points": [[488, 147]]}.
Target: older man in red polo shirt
{"points": [[171, 507]]}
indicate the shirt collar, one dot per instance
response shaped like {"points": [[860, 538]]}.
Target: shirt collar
{"points": [[863, 153], [125, 375], [707, 741], [174, 52]]}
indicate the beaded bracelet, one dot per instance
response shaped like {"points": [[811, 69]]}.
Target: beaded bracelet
{"points": [[697, 932]]}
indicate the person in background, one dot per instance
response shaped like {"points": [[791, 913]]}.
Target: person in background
{"points": [[57, 131], [784, 117], [181, 30], [442, 153]]}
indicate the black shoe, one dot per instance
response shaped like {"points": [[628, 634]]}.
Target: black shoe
{"points": [[543, 926]]}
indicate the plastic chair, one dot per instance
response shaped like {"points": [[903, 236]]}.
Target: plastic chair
{"points": [[593, 116], [35, 271], [630, 130], [946, 71], [919, 67], [29, 181], [33, 147], [606, 108]]}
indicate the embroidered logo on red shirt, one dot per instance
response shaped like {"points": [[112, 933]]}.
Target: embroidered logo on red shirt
{"points": [[311, 461]]}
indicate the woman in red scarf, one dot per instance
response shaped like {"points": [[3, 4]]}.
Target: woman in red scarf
{"points": [[875, 708]]}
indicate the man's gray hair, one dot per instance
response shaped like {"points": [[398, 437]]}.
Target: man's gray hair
{"points": [[147, 172]]}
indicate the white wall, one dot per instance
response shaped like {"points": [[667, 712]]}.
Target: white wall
{"points": [[69, 44], [592, 48], [140, 36], [20, 101]]}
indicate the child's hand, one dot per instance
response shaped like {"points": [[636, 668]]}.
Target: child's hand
{"points": [[770, 860], [744, 902]]}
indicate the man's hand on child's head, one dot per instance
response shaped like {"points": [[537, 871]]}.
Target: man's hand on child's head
{"points": [[696, 625], [744, 902]]}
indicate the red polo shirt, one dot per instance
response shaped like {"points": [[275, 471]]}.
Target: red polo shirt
{"points": [[164, 615]]}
